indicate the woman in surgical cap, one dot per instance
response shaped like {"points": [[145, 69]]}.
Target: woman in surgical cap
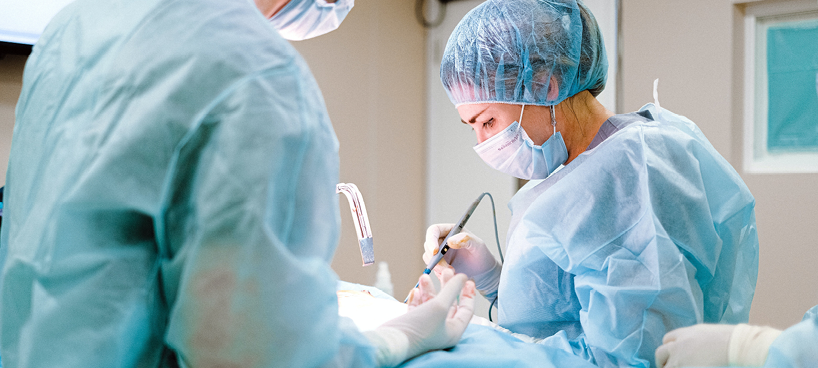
{"points": [[631, 225]]}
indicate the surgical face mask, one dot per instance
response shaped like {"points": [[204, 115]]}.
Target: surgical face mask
{"points": [[303, 19], [513, 152]]}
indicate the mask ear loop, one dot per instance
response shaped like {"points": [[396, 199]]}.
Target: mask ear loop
{"points": [[656, 93], [520, 121], [553, 119]]}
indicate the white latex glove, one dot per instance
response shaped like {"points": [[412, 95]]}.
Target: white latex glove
{"points": [[702, 345], [433, 321], [468, 255], [749, 345]]}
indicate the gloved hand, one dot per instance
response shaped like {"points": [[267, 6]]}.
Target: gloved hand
{"points": [[702, 345], [426, 289], [468, 255], [432, 322]]}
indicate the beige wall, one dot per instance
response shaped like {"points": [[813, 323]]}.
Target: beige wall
{"points": [[694, 48], [371, 71]]}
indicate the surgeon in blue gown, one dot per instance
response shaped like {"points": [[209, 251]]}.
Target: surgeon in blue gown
{"points": [[631, 225], [170, 197]]}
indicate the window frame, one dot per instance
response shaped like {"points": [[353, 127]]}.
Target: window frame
{"points": [[757, 159]]}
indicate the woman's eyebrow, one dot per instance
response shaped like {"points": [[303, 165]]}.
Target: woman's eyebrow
{"points": [[474, 118]]}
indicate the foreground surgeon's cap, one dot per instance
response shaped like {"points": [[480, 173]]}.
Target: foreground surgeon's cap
{"points": [[512, 51]]}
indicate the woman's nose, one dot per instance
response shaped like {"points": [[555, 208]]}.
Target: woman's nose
{"points": [[482, 135]]}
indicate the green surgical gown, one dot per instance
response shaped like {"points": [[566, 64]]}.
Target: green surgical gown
{"points": [[170, 196]]}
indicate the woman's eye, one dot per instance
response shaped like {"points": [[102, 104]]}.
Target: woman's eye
{"points": [[489, 123]]}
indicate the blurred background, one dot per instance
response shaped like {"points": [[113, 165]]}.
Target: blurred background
{"points": [[403, 145]]}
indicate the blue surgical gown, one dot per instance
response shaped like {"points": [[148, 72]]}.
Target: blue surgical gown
{"points": [[797, 346], [170, 196], [649, 230]]}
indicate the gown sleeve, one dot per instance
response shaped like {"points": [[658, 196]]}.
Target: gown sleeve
{"points": [[249, 226], [797, 346]]}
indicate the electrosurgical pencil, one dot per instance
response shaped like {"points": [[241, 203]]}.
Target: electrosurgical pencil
{"points": [[444, 246]]}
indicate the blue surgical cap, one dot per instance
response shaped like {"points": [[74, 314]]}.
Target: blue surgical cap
{"points": [[515, 51]]}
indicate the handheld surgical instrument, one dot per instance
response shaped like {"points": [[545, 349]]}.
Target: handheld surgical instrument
{"points": [[444, 246]]}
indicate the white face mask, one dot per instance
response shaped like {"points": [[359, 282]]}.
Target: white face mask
{"points": [[303, 19], [513, 152]]}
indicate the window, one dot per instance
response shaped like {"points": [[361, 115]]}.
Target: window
{"points": [[781, 87]]}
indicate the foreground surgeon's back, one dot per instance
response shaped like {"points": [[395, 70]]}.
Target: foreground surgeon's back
{"points": [[170, 196]]}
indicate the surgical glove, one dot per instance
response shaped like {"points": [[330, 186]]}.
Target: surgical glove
{"points": [[426, 290], [468, 254], [437, 323], [707, 345], [749, 345], [702, 345]]}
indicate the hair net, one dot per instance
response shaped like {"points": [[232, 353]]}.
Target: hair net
{"points": [[515, 51]]}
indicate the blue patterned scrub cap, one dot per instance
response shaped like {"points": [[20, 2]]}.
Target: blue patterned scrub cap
{"points": [[513, 51]]}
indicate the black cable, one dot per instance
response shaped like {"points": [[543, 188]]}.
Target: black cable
{"points": [[1, 204], [490, 306], [499, 249], [422, 18], [496, 234]]}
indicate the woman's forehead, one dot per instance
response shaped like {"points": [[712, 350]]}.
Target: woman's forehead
{"points": [[476, 111]]}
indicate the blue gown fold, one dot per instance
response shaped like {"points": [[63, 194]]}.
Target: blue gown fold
{"points": [[797, 346]]}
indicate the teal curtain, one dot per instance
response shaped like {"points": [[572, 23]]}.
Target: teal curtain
{"points": [[792, 69]]}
